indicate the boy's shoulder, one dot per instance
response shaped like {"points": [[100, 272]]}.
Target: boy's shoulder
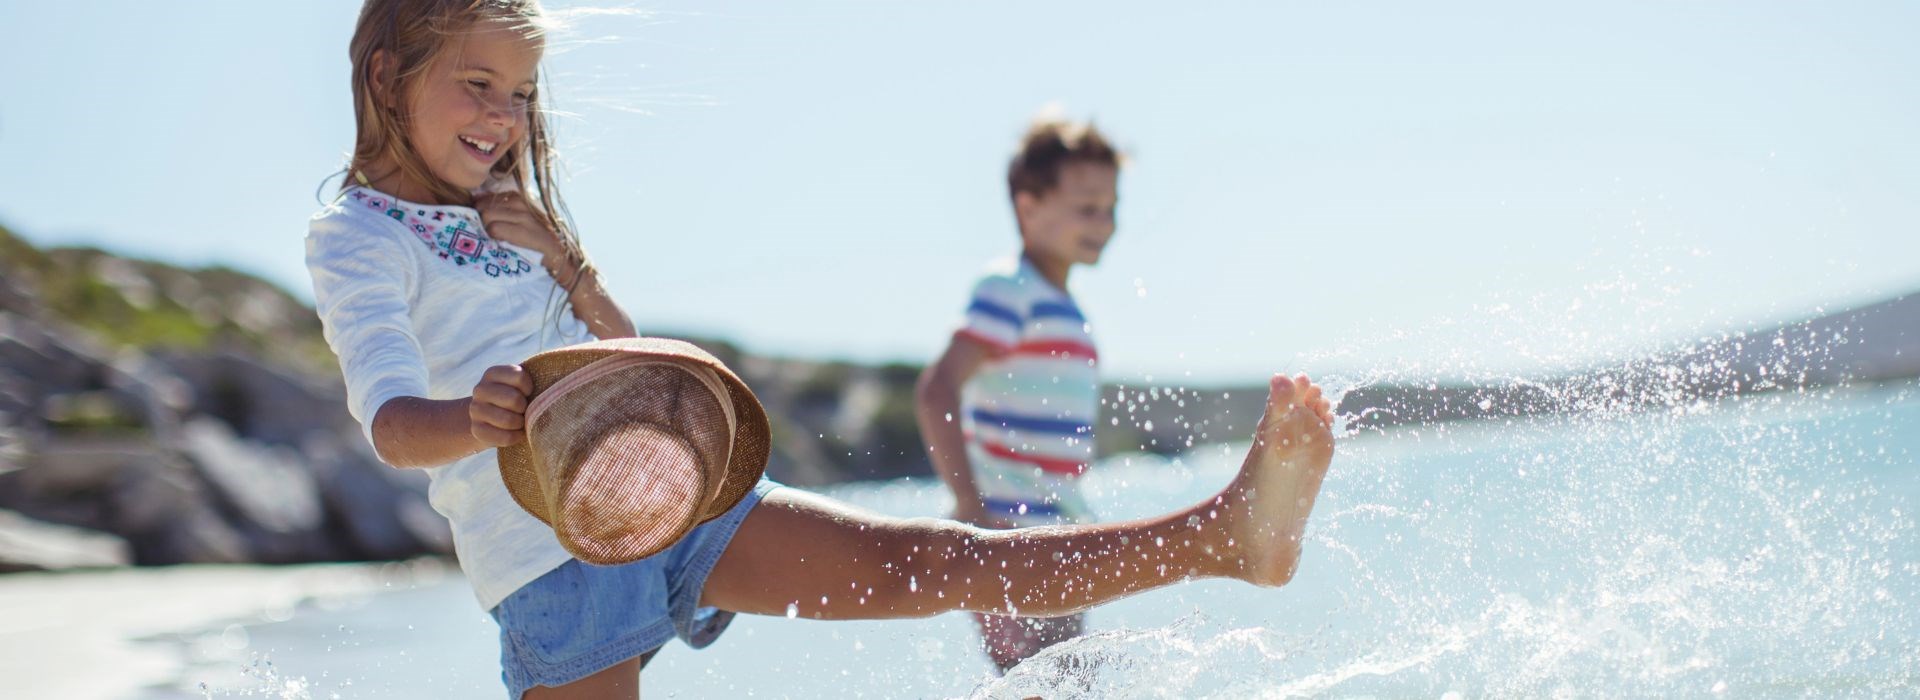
{"points": [[1014, 281], [999, 286], [1007, 268], [1006, 277]]}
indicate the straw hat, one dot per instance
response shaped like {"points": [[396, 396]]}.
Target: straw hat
{"points": [[631, 443]]}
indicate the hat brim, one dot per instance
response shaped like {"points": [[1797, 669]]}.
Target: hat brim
{"points": [[752, 438]]}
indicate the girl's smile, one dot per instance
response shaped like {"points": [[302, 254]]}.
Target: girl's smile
{"points": [[481, 149]]}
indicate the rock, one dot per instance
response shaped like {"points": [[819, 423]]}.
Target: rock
{"points": [[62, 468], [383, 511], [135, 489], [268, 494], [264, 403], [52, 363], [170, 518], [30, 545], [373, 510]]}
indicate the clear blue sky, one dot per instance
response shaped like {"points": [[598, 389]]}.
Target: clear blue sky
{"points": [[1329, 186]]}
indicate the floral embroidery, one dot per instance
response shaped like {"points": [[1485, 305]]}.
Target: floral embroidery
{"points": [[453, 235]]}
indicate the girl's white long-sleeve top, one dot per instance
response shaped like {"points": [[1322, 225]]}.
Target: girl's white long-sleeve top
{"points": [[416, 300]]}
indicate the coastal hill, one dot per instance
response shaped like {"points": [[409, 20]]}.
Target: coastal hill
{"points": [[154, 414], [1879, 342]]}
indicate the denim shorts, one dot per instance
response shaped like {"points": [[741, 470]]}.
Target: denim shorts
{"points": [[579, 619]]}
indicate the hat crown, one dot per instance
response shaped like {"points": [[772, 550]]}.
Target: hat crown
{"points": [[632, 443]]}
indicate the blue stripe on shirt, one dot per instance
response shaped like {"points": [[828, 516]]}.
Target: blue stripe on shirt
{"points": [[1042, 309], [995, 311], [1040, 425], [1000, 507]]}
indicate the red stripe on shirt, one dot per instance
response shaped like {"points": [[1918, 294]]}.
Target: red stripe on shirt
{"points": [[1057, 348], [1069, 467]]}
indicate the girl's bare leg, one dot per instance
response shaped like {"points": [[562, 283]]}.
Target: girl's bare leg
{"points": [[620, 681], [827, 560]]}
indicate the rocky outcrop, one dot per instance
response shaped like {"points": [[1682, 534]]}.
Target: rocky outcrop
{"points": [[30, 545], [187, 416], [213, 458]]}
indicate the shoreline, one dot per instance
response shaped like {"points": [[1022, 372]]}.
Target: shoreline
{"points": [[119, 632]]}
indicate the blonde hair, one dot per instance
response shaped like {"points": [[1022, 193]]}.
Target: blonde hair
{"points": [[412, 33]]}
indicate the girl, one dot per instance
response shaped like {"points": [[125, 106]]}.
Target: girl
{"points": [[448, 258]]}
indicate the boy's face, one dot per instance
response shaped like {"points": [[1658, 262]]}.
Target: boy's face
{"points": [[1072, 222]]}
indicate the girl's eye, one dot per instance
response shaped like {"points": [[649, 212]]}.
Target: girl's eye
{"points": [[478, 84]]}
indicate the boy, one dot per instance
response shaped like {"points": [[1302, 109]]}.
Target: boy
{"points": [[1007, 411]]}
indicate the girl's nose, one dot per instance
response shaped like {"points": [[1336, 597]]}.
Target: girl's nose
{"points": [[503, 112], [499, 116]]}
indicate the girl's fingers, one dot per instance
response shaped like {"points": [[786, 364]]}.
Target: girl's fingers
{"points": [[497, 417], [496, 437], [502, 396], [509, 375]]}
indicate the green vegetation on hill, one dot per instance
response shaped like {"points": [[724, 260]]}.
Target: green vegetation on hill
{"points": [[155, 306]]}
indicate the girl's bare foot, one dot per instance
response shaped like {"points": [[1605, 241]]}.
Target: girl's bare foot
{"points": [[1267, 504]]}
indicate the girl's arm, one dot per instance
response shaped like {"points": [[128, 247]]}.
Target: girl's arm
{"points": [[591, 302], [362, 287], [410, 431], [509, 216]]}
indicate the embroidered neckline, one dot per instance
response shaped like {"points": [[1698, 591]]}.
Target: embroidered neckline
{"points": [[452, 232]]}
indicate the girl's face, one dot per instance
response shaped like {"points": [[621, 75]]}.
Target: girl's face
{"points": [[469, 107]]}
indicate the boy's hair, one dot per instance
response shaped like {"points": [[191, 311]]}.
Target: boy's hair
{"points": [[412, 33], [1051, 144]]}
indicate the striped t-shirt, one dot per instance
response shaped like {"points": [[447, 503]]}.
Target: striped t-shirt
{"points": [[1028, 412]]}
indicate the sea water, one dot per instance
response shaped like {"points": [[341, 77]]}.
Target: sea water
{"points": [[1759, 546]]}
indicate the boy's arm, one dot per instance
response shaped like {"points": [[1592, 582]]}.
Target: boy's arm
{"points": [[937, 407]]}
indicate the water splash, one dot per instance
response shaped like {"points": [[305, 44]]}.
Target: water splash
{"points": [[264, 680], [1754, 546], [1731, 514]]}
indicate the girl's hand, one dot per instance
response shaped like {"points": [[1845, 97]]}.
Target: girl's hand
{"points": [[510, 217], [498, 410]]}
